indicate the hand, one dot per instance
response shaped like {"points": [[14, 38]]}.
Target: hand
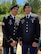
{"points": [[13, 43], [20, 42], [34, 44]]}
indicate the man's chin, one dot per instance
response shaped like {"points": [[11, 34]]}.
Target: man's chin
{"points": [[27, 12]]}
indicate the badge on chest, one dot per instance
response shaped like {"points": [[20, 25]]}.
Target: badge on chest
{"points": [[32, 20], [10, 22]]}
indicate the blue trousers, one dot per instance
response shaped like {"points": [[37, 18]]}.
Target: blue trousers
{"points": [[6, 50], [25, 49]]}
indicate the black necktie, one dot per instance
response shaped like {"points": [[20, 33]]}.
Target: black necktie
{"points": [[14, 18], [27, 16]]}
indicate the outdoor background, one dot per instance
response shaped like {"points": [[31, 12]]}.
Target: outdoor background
{"points": [[5, 6]]}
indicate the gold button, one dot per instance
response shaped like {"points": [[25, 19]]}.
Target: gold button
{"points": [[13, 33], [26, 22], [14, 30], [27, 25], [26, 30]]}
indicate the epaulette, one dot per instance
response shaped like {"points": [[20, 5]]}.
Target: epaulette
{"points": [[22, 20], [34, 15], [6, 17]]}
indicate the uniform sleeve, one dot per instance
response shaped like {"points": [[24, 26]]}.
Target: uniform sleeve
{"points": [[37, 30], [20, 31], [5, 30]]}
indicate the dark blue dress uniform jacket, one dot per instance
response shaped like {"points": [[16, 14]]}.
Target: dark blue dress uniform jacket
{"points": [[9, 30], [29, 30]]}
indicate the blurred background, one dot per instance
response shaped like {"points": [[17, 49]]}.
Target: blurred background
{"points": [[5, 11]]}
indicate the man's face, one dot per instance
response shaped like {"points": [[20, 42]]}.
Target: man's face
{"points": [[14, 11], [27, 9]]}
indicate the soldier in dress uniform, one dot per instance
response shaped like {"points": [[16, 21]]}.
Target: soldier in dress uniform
{"points": [[9, 28], [29, 31]]}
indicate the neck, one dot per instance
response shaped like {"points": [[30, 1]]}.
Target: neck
{"points": [[13, 14], [27, 13]]}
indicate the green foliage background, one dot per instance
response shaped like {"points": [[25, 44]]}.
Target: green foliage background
{"points": [[5, 8]]}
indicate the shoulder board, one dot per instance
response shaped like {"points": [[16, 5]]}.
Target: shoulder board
{"points": [[34, 15], [22, 20], [6, 17]]}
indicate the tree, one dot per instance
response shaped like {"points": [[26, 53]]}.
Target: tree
{"points": [[14, 2], [2, 8], [8, 4], [5, 7], [20, 9]]}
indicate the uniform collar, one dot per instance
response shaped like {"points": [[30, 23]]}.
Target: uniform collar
{"points": [[13, 16], [28, 15]]}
